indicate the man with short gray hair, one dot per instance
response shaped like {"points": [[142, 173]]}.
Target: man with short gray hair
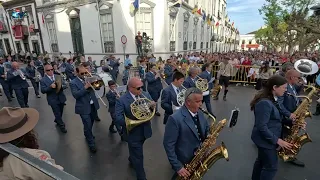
{"points": [[185, 130], [191, 79]]}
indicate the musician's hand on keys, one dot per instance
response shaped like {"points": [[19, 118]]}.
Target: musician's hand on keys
{"points": [[87, 85], [53, 85], [183, 173], [304, 125], [292, 116], [153, 104], [284, 144]]}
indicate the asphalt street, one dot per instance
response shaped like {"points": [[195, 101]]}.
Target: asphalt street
{"points": [[111, 161]]}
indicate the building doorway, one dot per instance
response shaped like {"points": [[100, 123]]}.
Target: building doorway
{"points": [[36, 46], [76, 34], [7, 45]]}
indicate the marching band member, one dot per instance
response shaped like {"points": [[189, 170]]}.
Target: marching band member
{"points": [[114, 63], [55, 99], [169, 70], [88, 68], [39, 65], [31, 74], [86, 104], [139, 134], [289, 104], [142, 72], [4, 83], [19, 84], [154, 85], [191, 79], [70, 70], [266, 132], [169, 95], [112, 97], [225, 73], [185, 130], [206, 74]]}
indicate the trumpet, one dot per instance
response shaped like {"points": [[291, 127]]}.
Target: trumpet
{"points": [[141, 110], [20, 73]]}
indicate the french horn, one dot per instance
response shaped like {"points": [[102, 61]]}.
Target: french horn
{"points": [[202, 84], [140, 109]]}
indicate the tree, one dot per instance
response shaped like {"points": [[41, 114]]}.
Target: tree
{"points": [[289, 24]]}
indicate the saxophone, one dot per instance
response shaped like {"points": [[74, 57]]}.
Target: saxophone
{"points": [[206, 155], [295, 137]]}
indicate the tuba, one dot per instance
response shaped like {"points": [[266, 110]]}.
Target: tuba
{"points": [[306, 67], [207, 155], [141, 110]]}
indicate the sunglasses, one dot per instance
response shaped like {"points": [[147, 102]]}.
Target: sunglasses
{"points": [[84, 73], [139, 88], [49, 70]]}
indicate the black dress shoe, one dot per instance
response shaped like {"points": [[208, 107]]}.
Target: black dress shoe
{"points": [[93, 149], [27, 106], [158, 114], [112, 130], [297, 163], [9, 100], [97, 119], [63, 130]]}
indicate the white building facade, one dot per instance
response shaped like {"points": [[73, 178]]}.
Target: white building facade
{"points": [[249, 42], [97, 27], [20, 34]]}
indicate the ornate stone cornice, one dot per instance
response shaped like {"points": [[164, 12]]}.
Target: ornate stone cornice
{"points": [[63, 4]]}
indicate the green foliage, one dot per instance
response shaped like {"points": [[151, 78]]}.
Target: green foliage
{"points": [[288, 23]]}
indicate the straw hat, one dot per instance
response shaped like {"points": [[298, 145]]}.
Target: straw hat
{"points": [[16, 122]]}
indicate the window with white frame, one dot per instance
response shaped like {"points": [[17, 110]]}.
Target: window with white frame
{"points": [[172, 30], [107, 32], [52, 36], [185, 34], [144, 22], [195, 32]]}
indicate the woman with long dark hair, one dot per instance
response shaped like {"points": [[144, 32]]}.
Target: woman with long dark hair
{"points": [[264, 74], [267, 128]]}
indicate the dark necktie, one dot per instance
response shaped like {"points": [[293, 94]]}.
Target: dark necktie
{"points": [[137, 96], [197, 126]]}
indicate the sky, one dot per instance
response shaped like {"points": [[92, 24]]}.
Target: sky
{"points": [[245, 14]]}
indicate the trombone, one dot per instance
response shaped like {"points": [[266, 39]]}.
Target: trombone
{"points": [[96, 84]]}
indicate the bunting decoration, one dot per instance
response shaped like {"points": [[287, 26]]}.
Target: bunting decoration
{"points": [[208, 20], [204, 15], [199, 12], [134, 6], [194, 10]]}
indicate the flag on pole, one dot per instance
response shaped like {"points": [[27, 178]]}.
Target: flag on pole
{"points": [[134, 6]]}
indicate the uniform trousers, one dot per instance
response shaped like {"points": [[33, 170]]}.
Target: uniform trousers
{"points": [[266, 165]]}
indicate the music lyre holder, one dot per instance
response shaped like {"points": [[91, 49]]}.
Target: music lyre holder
{"points": [[233, 117]]}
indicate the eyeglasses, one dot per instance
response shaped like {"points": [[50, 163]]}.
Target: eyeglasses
{"points": [[49, 70], [84, 73], [138, 88]]}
